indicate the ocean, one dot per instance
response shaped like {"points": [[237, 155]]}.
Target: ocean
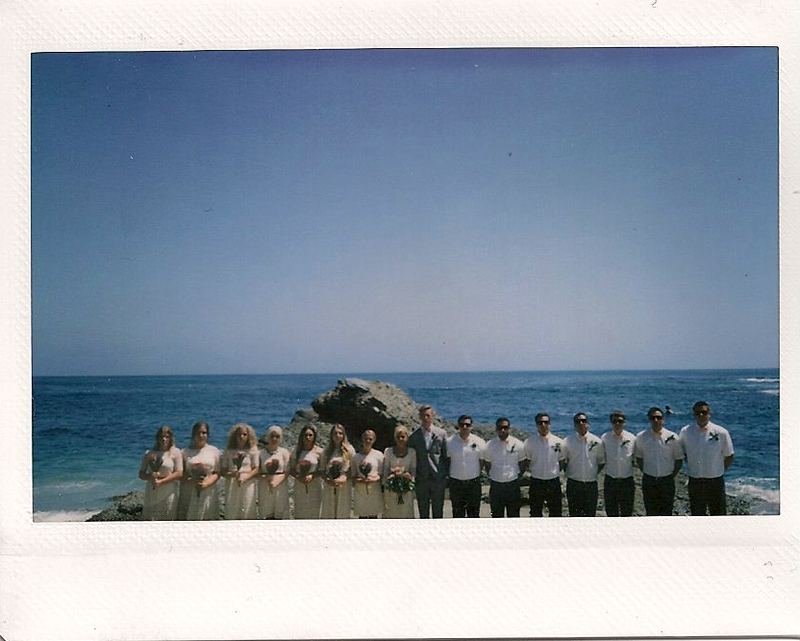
{"points": [[89, 433]]}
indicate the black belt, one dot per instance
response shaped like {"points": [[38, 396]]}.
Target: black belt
{"points": [[477, 478]]}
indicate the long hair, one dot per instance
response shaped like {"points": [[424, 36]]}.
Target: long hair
{"points": [[298, 449], [251, 436], [344, 448], [196, 428], [164, 429]]}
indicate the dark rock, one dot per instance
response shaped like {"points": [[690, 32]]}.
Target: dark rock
{"points": [[127, 507], [360, 405]]}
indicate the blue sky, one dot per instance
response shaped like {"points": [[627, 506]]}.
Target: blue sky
{"points": [[406, 210]]}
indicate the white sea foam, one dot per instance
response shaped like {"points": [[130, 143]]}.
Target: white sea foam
{"points": [[762, 380], [768, 499], [63, 516], [71, 486], [774, 392]]}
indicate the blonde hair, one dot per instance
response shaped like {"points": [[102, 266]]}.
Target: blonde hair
{"points": [[400, 428], [251, 436], [344, 447]]}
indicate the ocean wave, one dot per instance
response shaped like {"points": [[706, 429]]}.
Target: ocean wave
{"points": [[71, 486], [762, 380], [763, 490], [63, 516], [774, 392]]}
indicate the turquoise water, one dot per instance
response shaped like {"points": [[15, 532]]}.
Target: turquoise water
{"points": [[89, 433]]}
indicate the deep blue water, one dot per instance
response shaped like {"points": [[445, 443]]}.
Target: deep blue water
{"points": [[89, 433]]}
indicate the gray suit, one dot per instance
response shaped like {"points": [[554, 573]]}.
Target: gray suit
{"points": [[431, 471]]}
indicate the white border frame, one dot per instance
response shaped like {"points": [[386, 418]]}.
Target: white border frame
{"points": [[520, 578]]}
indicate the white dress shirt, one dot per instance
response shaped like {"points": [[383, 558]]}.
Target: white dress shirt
{"points": [[619, 454], [504, 457], [584, 456], [658, 451], [465, 458], [544, 454], [705, 449]]}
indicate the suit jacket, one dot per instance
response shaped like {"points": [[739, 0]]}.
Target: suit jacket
{"points": [[431, 462]]}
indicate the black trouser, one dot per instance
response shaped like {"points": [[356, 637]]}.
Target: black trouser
{"points": [[582, 498], [707, 493], [618, 496], [430, 497], [545, 492], [465, 498], [658, 493], [505, 499]]}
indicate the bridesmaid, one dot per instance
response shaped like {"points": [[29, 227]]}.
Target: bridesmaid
{"points": [[303, 467], [162, 468], [273, 490], [334, 468], [367, 468], [240, 468], [399, 462], [199, 491]]}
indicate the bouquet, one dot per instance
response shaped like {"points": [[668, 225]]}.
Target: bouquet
{"points": [[199, 473], [271, 466], [154, 463], [238, 459], [399, 485], [364, 468], [304, 468], [334, 470]]}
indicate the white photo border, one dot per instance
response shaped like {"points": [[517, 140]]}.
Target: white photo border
{"points": [[411, 579]]}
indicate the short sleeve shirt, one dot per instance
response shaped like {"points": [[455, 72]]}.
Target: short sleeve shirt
{"points": [[658, 451], [619, 454], [504, 457], [544, 454], [584, 457], [465, 458], [705, 449]]}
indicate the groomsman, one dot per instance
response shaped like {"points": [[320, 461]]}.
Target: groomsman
{"points": [[464, 453], [544, 452], [584, 457], [429, 442], [618, 487], [708, 450], [658, 454], [503, 458]]}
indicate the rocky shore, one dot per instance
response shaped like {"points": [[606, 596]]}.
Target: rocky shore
{"points": [[360, 405]]}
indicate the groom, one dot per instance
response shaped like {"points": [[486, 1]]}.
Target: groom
{"points": [[430, 445]]}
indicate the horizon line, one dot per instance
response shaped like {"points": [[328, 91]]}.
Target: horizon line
{"points": [[355, 374]]}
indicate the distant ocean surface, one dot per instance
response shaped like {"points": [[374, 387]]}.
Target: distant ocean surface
{"points": [[89, 433]]}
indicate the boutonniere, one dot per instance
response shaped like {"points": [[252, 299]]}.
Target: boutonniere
{"points": [[624, 443], [511, 451], [473, 446], [671, 437], [592, 445], [713, 436], [557, 447]]}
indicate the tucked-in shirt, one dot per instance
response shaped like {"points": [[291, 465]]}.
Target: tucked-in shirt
{"points": [[584, 457], [705, 449], [544, 454], [465, 458], [619, 454], [504, 457], [658, 451]]}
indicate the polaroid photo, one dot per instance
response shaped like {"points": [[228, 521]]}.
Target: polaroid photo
{"points": [[243, 216]]}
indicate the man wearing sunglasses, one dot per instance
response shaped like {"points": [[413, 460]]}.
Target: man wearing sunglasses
{"points": [[464, 452], [584, 457], [708, 449], [618, 487], [658, 454], [544, 452]]}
